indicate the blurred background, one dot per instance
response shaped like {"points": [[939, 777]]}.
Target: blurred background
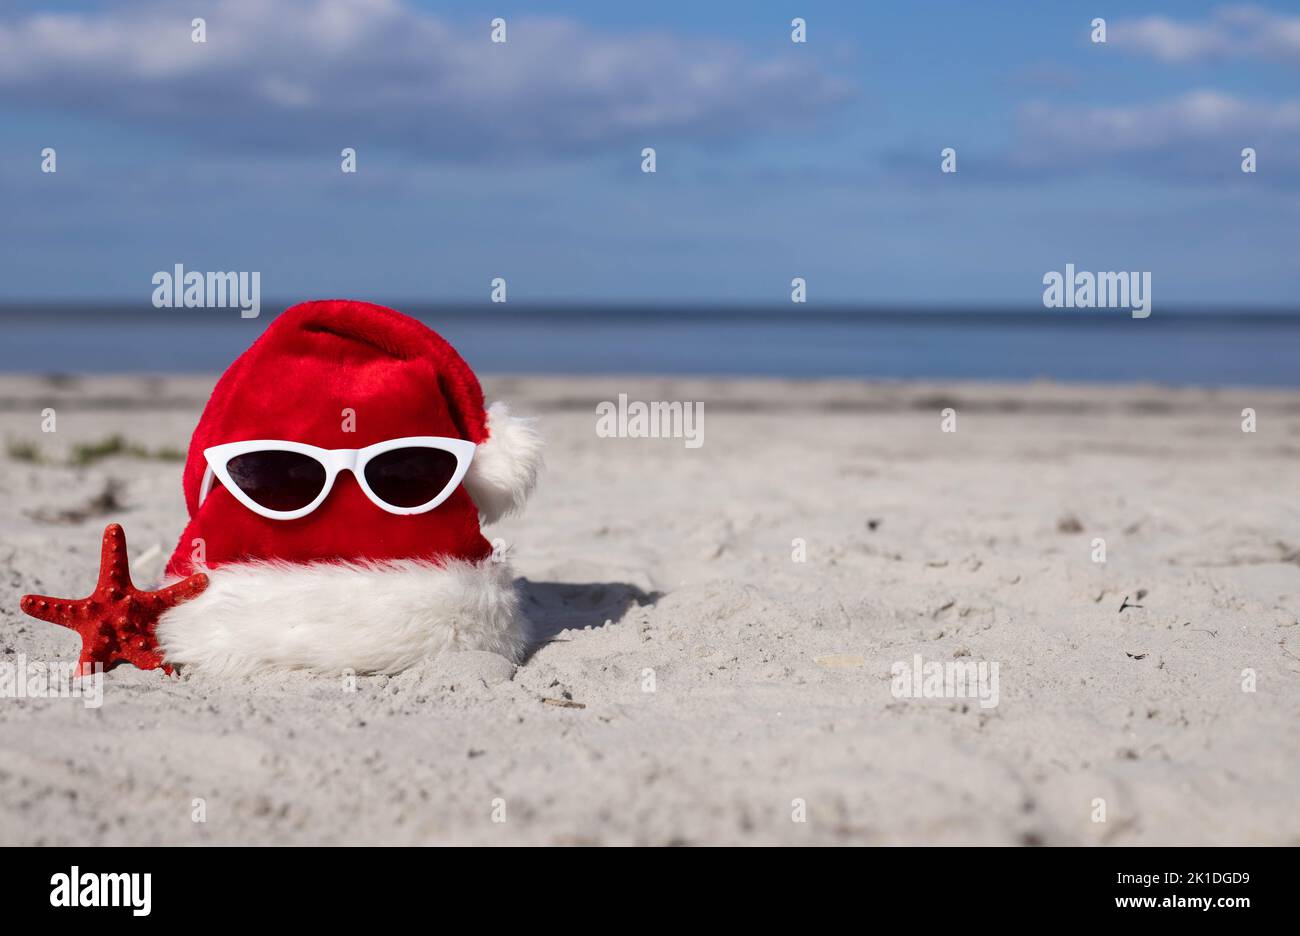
{"points": [[775, 160]]}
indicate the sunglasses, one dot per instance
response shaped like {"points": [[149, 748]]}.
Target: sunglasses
{"points": [[286, 480]]}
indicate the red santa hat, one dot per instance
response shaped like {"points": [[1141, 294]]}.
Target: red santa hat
{"points": [[349, 585]]}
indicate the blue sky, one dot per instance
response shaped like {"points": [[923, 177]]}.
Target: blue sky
{"points": [[775, 160]]}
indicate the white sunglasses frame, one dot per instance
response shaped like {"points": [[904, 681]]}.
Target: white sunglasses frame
{"points": [[333, 461]]}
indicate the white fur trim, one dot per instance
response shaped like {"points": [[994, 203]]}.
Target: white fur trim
{"points": [[504, 469], [380, 618]]}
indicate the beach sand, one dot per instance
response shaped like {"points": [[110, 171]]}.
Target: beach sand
{"points": [[651, 565]]}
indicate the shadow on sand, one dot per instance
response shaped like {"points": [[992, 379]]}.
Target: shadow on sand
{"points": [[552, 607]]}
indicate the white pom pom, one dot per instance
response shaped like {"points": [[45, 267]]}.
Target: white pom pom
{"points": [[504, 470]]}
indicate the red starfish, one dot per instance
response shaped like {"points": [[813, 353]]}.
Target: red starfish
{"points": [[117, 622]]}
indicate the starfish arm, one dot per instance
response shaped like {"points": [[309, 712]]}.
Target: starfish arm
{"points": [[114, 567], [86, 665], [183, 590], [54, 610]]}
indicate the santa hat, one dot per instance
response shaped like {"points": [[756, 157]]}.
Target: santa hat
{"points": [[350, 586]]}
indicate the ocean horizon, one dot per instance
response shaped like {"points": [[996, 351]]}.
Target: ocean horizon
{"points": [[1182, 347]]}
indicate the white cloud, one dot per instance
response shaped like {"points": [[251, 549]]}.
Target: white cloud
{"points": [[1200, 133], [300, 73], [1242, 32]]}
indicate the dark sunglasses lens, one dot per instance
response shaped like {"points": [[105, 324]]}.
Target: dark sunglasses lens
{"points": [[410, 477], [278, 480]]}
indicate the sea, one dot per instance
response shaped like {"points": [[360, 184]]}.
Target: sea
{"points": [[1194, 346]]}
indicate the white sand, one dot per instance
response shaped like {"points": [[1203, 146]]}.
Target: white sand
{"points": [[772, 677]]}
